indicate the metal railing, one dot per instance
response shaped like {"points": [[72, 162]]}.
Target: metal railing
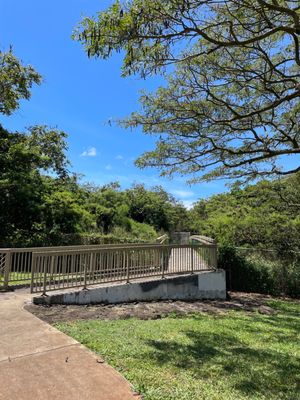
{"points": [[164, 239], [59, 269], [16, 263], [202, 239]]}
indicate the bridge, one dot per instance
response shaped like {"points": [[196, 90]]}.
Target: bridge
{"points": [[55, 268]]}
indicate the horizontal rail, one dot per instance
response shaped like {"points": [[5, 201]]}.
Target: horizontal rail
{"points": [[257, 250], [75, 247], [162, 239], [203, 239], [131, 248]]}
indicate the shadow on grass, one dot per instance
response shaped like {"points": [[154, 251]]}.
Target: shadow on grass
{"points": [[224, 358]]}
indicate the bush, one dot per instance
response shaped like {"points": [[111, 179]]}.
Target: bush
{"points": [[118, 236], [142, 231], [255, 273], [73, 239]]}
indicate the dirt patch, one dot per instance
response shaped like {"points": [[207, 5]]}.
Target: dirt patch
{"points": [[152, 310]]}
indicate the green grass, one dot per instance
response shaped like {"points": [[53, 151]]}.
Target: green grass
{"points": [[24, 278], [196, 357], [17, 278]]}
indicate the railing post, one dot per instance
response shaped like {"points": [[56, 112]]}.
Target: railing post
{"points": [[163, 265], [215, 257], [33, 268], [127, 268], [45, 276], [84, 272], [92, 267], [192, 260], [7, 269]]}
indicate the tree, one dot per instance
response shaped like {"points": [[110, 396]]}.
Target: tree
{"points": [[24, 158], [149, 206], [63, 212], [265, 215], [230, 107], [16, 81]]}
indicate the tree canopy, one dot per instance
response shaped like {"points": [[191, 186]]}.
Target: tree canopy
{"points": [[266, 215], [24, 159], [230, 106], [41, 202], [16, 80]]}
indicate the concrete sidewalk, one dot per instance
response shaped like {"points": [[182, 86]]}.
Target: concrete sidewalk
{"points": [[37, 362]]}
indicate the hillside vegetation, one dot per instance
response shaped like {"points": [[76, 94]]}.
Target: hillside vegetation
{"points": [[263, 215], [42, 203]]}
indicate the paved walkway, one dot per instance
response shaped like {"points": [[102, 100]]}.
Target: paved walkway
{"points": [[37, 362], [181, 260]]}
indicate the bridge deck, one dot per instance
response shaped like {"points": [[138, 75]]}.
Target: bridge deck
{"points": [[184, 259]]}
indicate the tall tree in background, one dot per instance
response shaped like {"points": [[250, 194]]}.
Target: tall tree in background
{"points": [[16, 80], [25, 159], [230, 107]]}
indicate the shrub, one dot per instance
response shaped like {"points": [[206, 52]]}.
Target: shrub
{"points": [[256, 273], [142, 230]]}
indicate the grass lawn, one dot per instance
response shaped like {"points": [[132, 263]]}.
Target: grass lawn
{"points": [[231, 356]]}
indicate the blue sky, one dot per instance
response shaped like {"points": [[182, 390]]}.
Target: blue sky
{"points": [[80, 96]]}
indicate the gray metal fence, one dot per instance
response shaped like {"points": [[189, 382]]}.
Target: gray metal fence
{"points": [[52, 270], [16, 263]]}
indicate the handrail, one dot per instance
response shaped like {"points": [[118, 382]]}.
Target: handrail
{"points": [[131, 248], [162, 239], [203, 239], [88, 246]]}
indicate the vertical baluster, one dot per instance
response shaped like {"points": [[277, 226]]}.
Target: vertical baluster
{"points": [[127, 267], [7, 268]]}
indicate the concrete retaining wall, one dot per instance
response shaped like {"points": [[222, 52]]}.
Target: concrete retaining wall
{"points": [[205, 285]]}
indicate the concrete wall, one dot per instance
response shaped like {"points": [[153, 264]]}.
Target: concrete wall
{"points": [[205, 285]]}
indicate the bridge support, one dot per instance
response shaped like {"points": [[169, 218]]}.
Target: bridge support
{"points": [[204, 285]]}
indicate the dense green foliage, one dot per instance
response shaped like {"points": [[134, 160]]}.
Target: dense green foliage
{"points": [[265, 215], [16, 81], [262, 217], [230, 104], [24, 189], [41, 203], [268, 272], [237, 356]]}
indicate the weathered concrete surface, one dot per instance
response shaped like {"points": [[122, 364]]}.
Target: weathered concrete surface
{"points": [[212, 285], [204, 285], [39, 362], [183, 258], [180, 237]]}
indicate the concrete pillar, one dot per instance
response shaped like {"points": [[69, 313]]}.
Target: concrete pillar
{"points": [[180, 237]]}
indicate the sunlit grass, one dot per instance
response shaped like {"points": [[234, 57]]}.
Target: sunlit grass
{"points": [[197, 357]]}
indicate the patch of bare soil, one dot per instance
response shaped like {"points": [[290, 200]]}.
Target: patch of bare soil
{"points": [[152, 310]]}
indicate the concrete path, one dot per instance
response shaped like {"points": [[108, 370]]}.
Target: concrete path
{"points": [[181, 260], [37, 362]]}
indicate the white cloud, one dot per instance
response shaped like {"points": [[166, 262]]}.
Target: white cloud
{"points": [[188, 203], [119, 157], [90, 152], [108, 167], [183, 194]]}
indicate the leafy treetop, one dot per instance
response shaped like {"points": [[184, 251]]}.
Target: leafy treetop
{"points": [[230, 107], [16, 80]]}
